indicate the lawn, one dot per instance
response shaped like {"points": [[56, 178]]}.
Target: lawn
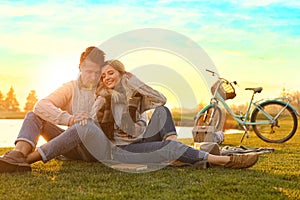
{"points": [[275, 176]]}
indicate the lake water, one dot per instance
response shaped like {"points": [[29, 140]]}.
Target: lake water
{"points": [[9, 129]]}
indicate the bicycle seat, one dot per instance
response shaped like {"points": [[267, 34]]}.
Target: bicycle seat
{"points": [[255, 90]]}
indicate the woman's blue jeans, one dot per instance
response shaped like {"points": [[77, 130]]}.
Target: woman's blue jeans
{"points": [[154, 148]]}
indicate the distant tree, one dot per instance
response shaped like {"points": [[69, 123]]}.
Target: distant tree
{"points": [[31, 100], [200, 106], [11, 103], [2, 104], [238, 109], [295, 97], [285, 92]]}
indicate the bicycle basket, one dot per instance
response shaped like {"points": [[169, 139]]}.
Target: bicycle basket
{"points": [[226, 90]]}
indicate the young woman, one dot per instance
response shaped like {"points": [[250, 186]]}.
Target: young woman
{"points": [[124, 100]]}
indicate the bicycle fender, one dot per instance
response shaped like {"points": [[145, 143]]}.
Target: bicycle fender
{"points": [[203, 110], [279, 102]]}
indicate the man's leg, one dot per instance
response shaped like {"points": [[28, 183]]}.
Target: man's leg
{"points": [[78, 142], [59, 145], [26, 141], [32, 128]]}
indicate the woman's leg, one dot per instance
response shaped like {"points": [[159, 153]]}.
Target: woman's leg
{"points": [[161, 126], [166, 151], [158, 152]]}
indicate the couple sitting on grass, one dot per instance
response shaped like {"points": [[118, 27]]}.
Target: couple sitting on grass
{"points": [[105, 111]]}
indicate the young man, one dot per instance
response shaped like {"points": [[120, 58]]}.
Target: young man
{"points": [[69, 104]]}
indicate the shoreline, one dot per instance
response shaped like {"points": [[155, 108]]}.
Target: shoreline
{"points": [[12, 115], [11, 127]]}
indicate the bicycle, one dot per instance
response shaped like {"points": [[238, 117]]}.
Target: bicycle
{"points": [[272, 120]]}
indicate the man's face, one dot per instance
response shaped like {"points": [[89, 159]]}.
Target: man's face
{"points": [[90, 73]]}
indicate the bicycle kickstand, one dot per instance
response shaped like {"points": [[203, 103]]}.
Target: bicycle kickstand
{"points": [[246, 133]]}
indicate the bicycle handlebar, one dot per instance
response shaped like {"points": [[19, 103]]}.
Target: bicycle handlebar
{"points": [[215, 73]]}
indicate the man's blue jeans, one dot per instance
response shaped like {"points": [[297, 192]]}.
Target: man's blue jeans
{"points": [[59, 141]]}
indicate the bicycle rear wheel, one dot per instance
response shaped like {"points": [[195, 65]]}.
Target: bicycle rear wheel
{"points": [[284, 127]]}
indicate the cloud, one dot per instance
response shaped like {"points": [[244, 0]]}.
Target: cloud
{"points": [[255, 3], [72, 21], [242, 37]]}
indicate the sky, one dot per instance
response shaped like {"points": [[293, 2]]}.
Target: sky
{"points": [[255, 43]]}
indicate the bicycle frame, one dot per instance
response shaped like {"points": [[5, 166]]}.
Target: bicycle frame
{"points": [[244, 119]]}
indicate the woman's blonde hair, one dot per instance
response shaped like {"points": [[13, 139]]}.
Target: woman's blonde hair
{"points": [[117, 65]]}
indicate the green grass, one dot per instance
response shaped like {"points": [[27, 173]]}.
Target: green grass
{"points": [[275, 176]]}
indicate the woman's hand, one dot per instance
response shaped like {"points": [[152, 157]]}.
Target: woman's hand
{"points": [[128, 74], [140, 127], [99, 103]]}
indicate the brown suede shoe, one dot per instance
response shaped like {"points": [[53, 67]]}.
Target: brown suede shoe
{"points": [[13, 161], [240, 161]]}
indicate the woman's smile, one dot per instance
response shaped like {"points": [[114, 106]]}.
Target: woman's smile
{"points": [[110, 76]]}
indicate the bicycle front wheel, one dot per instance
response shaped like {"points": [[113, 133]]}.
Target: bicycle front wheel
{"points": [[210, 116], [278, 131]]}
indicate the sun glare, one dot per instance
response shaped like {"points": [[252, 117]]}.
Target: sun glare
{"points": [[56, 72], [178, 80], [173, 101]]}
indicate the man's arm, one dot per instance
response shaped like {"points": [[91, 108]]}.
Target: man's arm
{"points": [[56, 108]]}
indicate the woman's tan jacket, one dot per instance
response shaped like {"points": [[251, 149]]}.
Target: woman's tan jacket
{"points": [[131, 93]]}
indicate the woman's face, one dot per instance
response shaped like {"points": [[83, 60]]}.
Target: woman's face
{"points": [[110, 76]]}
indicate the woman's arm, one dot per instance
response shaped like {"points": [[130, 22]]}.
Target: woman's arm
{"points": [[141, 124], [151, 98], [99, 103]]}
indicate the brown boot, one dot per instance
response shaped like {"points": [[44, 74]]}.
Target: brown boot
{"points": [[240, 161], [210, 147], [13, 161]]}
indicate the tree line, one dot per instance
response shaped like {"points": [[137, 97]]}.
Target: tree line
{"points": [[9, 103]]}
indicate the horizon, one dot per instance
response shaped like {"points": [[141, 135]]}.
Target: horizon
{"points": [[256, 43]]}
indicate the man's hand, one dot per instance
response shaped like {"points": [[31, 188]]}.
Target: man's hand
{"points": [[80, 118]]}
